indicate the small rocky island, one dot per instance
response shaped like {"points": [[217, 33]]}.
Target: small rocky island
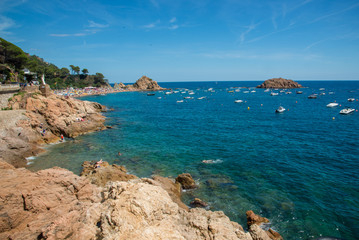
{"points": [[279, 83], [142, 84]]}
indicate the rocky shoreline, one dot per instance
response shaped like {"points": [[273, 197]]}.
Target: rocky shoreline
{"points": [[104, 202]]}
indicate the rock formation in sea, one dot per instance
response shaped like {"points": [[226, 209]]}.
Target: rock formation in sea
{"points": [[57, 204], [144, 84], [36, 120], [279, 83], [186, 181]]}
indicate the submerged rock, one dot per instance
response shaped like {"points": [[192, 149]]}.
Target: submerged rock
{"points": [[279, 83]]}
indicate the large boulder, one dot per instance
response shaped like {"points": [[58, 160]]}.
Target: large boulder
{"points": [[186, 181], [254, 223], [279, 83]]}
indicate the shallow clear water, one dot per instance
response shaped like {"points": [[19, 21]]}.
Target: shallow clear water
{"points": [[298, 168]]}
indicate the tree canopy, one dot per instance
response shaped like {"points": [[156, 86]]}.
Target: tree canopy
{"points": [[13, 61]]}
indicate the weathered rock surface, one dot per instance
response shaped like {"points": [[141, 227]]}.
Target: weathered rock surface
{"points": [[186, 181], [254, 222], [253, 218], [145, 84], [51, 204], [105, 173], [279, 83], [57, 204], [22, 134]]}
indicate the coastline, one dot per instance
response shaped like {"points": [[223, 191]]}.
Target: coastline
{"points": [[39, 107]]}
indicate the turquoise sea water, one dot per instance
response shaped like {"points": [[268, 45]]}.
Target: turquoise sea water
{"points": [[299, 168]]}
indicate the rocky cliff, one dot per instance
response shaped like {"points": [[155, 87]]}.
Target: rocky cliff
{"points": [[279, 83], [37, 120], [57, 204]]}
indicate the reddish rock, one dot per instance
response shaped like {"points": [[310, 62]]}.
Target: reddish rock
{"points": [[253, 218], [254, 222], [172, 188], [279, 83], [186, 181], [51, 204], [198, 203], [105, 173], [145, 84]]}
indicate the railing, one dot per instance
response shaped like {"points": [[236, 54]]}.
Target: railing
{"points": [[9, 87]]}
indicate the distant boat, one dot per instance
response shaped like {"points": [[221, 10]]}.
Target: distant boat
{"points": [[280, 109], [274, 94], [238, 101], [347, 110], [246, 92], [351, 99], [321, 89], [191, 93], [299, 92], [180, 101], [313, 96], [188, 97], [150, 94], [200, 98], [168, 93], [333, 104], [331, 93], [288, 93], [267, 90]]}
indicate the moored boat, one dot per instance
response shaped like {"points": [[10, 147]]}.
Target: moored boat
{"points": [[312, 96], [238, 101], [332, 104], [347, 110], [351, 99], [280, 109]]}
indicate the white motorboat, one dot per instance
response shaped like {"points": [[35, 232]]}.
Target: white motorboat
{"points": [[351, 99], [168, 93], [274, 94], [313, 96], [280, 109], [332, 104], [180, 101], [238, 101], [200, 98], [347, 110]]}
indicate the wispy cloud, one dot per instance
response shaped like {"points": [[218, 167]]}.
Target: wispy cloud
{"points": [[173, 27], [173, 20], [335, 13], [151, 25], [5, 24], [250, 28], [68, 34], [266, 57], [93, 24], [155, 3]]}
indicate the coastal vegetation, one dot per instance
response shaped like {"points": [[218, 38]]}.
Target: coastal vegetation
{"points": [[18, 66]]}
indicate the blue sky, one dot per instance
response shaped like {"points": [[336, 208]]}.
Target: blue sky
{"points": [[190, 40]]}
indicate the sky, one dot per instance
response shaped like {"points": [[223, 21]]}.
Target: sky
{"points": [[190, 40]]}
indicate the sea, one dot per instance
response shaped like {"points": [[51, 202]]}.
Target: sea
{"points": [[298, 168]]}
